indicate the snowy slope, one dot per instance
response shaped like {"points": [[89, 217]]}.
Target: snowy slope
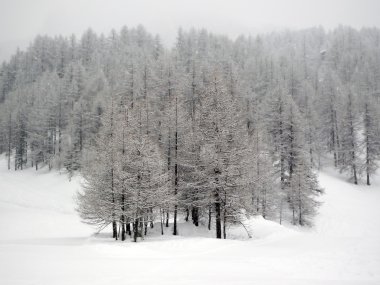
{"points": [[43, 242]]}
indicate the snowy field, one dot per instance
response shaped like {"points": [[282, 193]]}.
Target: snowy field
{"points": [[42, 241]]}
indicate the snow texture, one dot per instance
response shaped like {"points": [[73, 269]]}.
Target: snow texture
{"points": [[42, 241]]}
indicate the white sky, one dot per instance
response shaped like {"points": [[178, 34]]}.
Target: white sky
{"points": [[22, 20]]}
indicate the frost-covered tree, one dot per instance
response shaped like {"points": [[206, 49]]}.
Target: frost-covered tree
{"points": [[349, 139], [142, 174], [302, 186], [223, 150], [98, 202], [211, 130], [371, 134]]}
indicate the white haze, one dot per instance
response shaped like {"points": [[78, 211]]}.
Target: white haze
{"points": [[22, 20]]}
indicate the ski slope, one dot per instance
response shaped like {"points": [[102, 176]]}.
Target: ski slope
{"points": [[42, 241]]}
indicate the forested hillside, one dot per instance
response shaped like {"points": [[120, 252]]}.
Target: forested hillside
{"points": [[211, 130]]}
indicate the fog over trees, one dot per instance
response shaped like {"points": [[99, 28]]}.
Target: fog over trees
{"points": [[210, 131]]}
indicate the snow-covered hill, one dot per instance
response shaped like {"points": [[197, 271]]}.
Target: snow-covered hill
{"points": [[42, 241]]}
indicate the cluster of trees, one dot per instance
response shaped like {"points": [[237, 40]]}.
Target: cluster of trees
{"points": [[212, 130]]}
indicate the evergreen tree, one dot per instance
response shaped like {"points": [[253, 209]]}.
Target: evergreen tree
{"points": [[349, 141], [371, 120]]}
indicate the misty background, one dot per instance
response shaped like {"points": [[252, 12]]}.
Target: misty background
{"points": [[22, 20]]}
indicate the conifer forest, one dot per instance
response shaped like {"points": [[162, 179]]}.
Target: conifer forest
{"points": [[210, 131]]}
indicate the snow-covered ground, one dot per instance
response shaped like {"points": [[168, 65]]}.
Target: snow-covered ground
{"points": [[42, 241]]}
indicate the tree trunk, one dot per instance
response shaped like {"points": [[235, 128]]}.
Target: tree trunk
{"points": [[337, 143], [187, 215], [162, 221], [175, 168], [367, 143], [300, 219], [123, 232], [332, 133], [224, 224], [175, 221], [195, 216], [135, 230], [9, 141], [353, 156], [114, 229], [167, 219], [209, 217], [355, 174], [218, 223]]}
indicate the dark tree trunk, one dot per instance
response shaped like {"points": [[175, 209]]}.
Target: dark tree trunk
{"points": [[224, 223], [123, 232], [337, 144], [187, 215], [167, 219], [114, 226], [162, 221], [175, 168], [195, 216], [135, 230], [332, 133], [218, 223], [367, 123], [209, 217], [114, 230], [334, 149], [175, 221], [355, 175], [122, 218], [300, 218], [129, 228], [353, 155]]}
